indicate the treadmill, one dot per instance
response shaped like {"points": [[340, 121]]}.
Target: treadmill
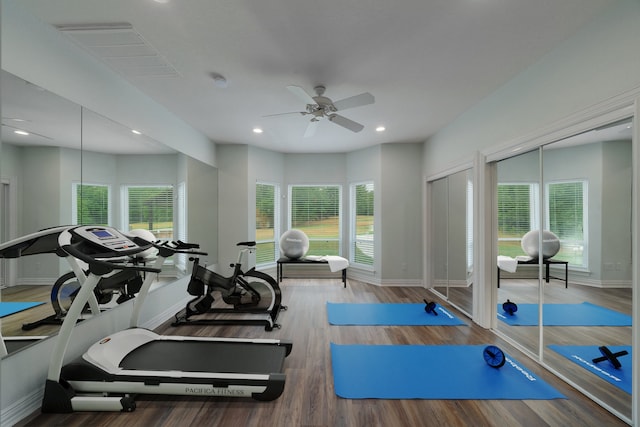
{"points": [[137, 360], [41, 242]]}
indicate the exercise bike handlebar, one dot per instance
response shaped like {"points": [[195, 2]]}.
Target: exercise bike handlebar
{"points": [[166, 249]]}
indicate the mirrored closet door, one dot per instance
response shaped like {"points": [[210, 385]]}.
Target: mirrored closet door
{"points": [[574, 278], [451, 242]]}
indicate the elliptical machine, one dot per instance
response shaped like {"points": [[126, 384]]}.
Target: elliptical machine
{"points": [[245, 293]]}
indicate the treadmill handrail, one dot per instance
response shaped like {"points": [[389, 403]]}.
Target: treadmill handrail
{"points": [[104, 266]]}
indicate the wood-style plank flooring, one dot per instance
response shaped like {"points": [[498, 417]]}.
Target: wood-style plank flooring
{"points": [[309, 398]]}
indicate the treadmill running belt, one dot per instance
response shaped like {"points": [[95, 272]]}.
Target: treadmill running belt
{"points": [[207, 356]]}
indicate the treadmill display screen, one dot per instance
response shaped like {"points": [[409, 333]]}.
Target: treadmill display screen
{"points": [[102, 234]]}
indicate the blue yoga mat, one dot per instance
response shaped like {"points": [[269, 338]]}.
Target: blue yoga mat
{"points": [[404, 314], [585, 314], [583, 355], [430, 372], [9, 308]]}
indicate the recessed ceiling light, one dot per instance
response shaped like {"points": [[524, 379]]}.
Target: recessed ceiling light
{"points": [[257, 130], [380, 129], [137, 132], [21, 132]]}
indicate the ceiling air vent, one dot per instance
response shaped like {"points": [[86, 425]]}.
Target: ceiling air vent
{"points": [[121, 48]]}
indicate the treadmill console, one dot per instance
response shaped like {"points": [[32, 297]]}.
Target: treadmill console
{"points": [[107, 238]]}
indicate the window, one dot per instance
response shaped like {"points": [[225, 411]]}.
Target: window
{"points": [[317, 211], [91, 204], [362, 237], [566, 215], [267, 223], [517, 215], [149, 207], [181, 224]]}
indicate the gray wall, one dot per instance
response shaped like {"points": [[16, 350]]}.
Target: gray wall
{"points": [[401, 213], [593, 66], [394, 169]]}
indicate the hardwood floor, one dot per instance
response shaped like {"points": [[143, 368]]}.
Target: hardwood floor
{"points": [[309, 398], [618, 299]]}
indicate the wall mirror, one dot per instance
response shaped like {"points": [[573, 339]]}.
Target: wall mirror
{"points": [[580, 284], [76, 166], [587, 188], [518, 189], [451, 241]]}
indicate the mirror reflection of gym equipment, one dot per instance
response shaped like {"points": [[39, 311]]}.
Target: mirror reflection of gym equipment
{"points": [[591, 172]]}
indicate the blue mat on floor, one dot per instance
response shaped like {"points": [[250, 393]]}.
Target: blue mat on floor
{"points": [[430, 372], [9, 308], [583, 355], [381, 314], [585, 314]]}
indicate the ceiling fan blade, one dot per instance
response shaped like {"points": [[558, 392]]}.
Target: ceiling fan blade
{"points": [[311, 128], [284, 114], [355, 101], [302, 94], [346, 123]]}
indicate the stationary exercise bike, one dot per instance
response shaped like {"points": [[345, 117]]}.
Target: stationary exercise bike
{"points": [[245, 293], [126, 283]]}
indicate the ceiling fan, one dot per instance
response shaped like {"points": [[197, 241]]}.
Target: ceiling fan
{"points": [[320, 106]]}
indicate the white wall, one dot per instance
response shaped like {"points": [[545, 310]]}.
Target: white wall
{"points": [[41, 55], [598, 63], [202, 200], [234, 210]]}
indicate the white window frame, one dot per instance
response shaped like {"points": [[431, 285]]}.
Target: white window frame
{"points": [[276, 222], [354, 239]]}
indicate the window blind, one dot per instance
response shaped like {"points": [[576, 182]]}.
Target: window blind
{"points": [[151, 208], [91, 204], [267, 223], [362, 223], [316, 210]]}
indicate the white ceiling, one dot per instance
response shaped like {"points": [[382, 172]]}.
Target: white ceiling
{"points": [[425, 61]]}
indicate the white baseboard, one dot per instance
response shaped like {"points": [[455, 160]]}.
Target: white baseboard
{"points": [[22, 408]]}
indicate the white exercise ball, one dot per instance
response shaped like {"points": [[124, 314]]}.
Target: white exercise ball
{"points": [[294, 244], [149, 237], [550, 244]]}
